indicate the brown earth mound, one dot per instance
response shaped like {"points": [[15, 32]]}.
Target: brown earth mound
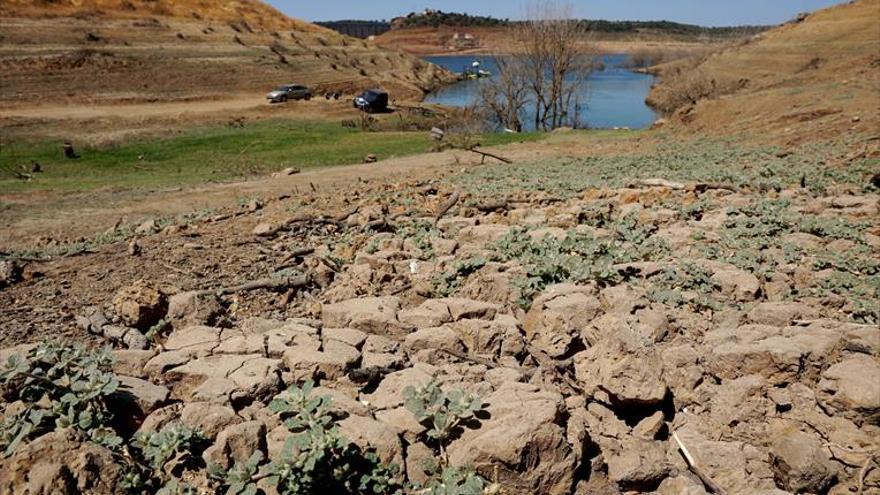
{"points": [[253, 13], [815, 74], [103, 51]]}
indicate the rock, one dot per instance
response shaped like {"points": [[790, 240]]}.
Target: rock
{"points": [[59, 463], [341, 404], [800, 463], [237, 443], [681, 485], [484, 233], [352, 337], [245, 377], [134, 339], [371, 158], [623, 299], [490, 338], [389, 393], [557, 316], [210, 419], [623, 368], [639, 465], [131, 362], [165, 361], [522, 419], [781, 313], [735, 466], [461, 308], [264, 229], [196, 340], [369, 434], [440, 338], [370, 314], [134, 248], [331, 364], [778, 354], [431, 313], [93, 320], [10, 273], [140, 396], [419, 461], [148, 227], [191, 308], [650, 427], [851, 388], [740, 285], [140, 305]]}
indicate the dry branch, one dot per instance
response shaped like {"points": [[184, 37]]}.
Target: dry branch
{"points": [[699, 187], [445, 207], [295, 282]]}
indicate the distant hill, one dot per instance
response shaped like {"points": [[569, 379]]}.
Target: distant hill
{"points": [[666, 29]]}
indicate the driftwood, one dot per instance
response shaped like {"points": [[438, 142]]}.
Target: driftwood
{"points": [[445, 207], [485, 154], [295, 282], [699, 187], [288, 260], [692, 465], [490, 206]]}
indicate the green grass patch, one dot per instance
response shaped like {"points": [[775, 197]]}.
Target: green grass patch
{"points": [[210, 154]]}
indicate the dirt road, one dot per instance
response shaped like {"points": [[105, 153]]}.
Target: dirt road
{"points": [[163, 109]]}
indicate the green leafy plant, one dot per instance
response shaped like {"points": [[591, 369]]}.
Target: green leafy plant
{"points": [[240, 479], [448, 283], [444, 414], [58, 386], [317, 459]]}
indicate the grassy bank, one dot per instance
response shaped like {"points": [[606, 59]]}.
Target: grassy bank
{"points": [[209, 154]]}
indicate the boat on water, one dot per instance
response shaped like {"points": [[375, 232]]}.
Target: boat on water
{"points": [[475, 71]]}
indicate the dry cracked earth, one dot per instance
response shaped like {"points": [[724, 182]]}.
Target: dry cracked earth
{"points": [[622, 335]]}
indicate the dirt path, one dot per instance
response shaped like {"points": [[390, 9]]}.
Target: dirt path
{"points": [[141, 110]]}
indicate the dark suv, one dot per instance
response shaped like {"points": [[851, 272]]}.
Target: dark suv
{"points": [[372, 101]]}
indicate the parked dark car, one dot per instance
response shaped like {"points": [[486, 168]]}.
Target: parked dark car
{"points": [[372, 101], [289, 92]]}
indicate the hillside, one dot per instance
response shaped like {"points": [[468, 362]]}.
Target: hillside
{"points": [[816, 74], [100, 51], [253, 12]]}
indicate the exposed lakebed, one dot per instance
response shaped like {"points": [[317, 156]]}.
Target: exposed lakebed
{"points": [[613, 96]]}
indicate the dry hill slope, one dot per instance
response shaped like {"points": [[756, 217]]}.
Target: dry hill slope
{"points": [[98, 51], [816, 75]]}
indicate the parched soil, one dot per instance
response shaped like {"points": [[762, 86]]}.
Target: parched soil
{"points": [[610, 310]]}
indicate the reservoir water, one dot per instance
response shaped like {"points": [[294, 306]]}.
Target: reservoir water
{"points": [[613, 96]]}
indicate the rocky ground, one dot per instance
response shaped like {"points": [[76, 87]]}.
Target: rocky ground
{"points": [[697, 318]]}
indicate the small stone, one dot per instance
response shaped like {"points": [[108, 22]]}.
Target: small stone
{"points": [[147, 228], [800, 463], [264, 229], [134, 248]]}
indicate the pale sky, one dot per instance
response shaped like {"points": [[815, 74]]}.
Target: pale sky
{"points": [[701, 12]]}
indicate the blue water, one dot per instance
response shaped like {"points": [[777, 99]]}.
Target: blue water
{"points": [[614, 96]]}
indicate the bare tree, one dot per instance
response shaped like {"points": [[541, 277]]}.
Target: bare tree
{"points": [[548, 73]]}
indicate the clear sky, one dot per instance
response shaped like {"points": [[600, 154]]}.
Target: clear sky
{"points": [[702, 12]]}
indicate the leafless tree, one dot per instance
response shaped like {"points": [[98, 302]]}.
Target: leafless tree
{"points": [[546, 74]]}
